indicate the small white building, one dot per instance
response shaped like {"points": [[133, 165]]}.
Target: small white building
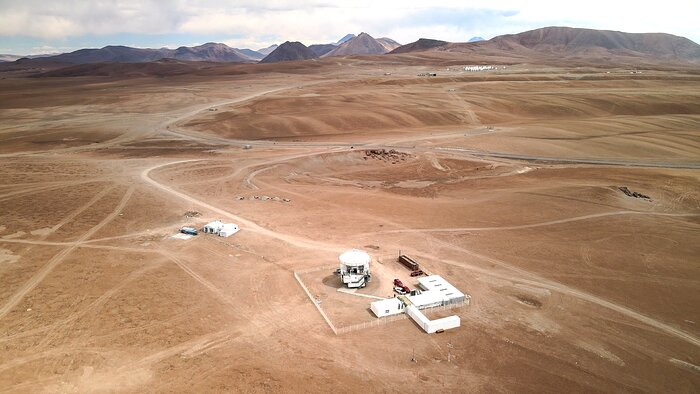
{"points": [[213, 227], [387, 307], [354, 268], [228, 230]]}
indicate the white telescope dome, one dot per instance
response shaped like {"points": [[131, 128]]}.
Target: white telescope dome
{"points": [[354, 258]]}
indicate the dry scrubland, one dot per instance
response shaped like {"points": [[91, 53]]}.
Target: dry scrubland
{"points": [[504, 182]]}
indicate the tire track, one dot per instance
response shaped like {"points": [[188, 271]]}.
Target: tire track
{"points": [[533, 225], [249, 224], [58, 258]]}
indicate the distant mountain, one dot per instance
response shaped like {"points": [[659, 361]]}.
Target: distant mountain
{"points": [[476, 39], [422, 44], [113, 53], [289, 51], [251, 53], [211, 52], [268, 50], [388, 43], [322, 49], [364, 44], [567, 40], [12, 58], [347, 37], [560, 43]]}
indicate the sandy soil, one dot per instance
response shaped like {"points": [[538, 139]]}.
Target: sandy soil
{"points": [[506, 183]]}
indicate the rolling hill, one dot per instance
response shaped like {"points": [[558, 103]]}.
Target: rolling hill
{"points": [[423, 44]]}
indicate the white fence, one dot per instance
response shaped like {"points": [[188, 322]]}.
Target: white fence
{"points": [[390, 319], [313, 300]]}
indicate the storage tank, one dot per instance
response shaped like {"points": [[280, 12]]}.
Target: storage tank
{"points": [[354, 268]]}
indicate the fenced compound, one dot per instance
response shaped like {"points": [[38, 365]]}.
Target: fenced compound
{"points": [[363, 325]]}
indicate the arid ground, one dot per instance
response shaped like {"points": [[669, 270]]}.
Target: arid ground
{"points": [[505, 182]]}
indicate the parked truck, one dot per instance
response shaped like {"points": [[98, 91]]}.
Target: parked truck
{"points": [[408, 262]]}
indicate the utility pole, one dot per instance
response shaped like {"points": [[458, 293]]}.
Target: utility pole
{"points": [[413, 358]]}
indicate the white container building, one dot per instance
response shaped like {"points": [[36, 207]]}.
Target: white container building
{"points": [[388, 307], [431, 326], [354, 268], [228, 230], [213, 227]]}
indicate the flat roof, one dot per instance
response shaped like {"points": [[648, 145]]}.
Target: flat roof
{"points": [[428, 297], [438, 284]]}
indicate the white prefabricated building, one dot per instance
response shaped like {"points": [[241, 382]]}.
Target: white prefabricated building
{"points": [[387, 307], [437, 284], [213, 227], [431, 326], [228, 230]]}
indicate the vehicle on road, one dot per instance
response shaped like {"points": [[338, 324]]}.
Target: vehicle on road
{"points": [[417, 273]]}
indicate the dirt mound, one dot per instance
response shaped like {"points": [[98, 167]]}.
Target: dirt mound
{"points": [[630, 193], [390, 155]]}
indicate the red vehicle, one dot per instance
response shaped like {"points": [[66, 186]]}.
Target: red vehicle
{"points": [[417, 273], [398, 283]]}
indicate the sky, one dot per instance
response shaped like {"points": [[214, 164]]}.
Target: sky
{"points": [[30, 27]]}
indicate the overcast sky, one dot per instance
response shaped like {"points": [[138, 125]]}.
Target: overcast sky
{"points": [[46, 26]]}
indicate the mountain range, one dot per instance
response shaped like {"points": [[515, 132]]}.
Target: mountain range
{"points": [[350, 45], [554, 43], [566, 42]]}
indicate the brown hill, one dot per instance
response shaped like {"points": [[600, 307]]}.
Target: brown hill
{"points": [[422, 44], [573, 40], [289, 51], [364, 44], [212, 52]]}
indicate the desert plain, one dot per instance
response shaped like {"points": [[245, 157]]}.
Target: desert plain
{"points": [[506, 182]]}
